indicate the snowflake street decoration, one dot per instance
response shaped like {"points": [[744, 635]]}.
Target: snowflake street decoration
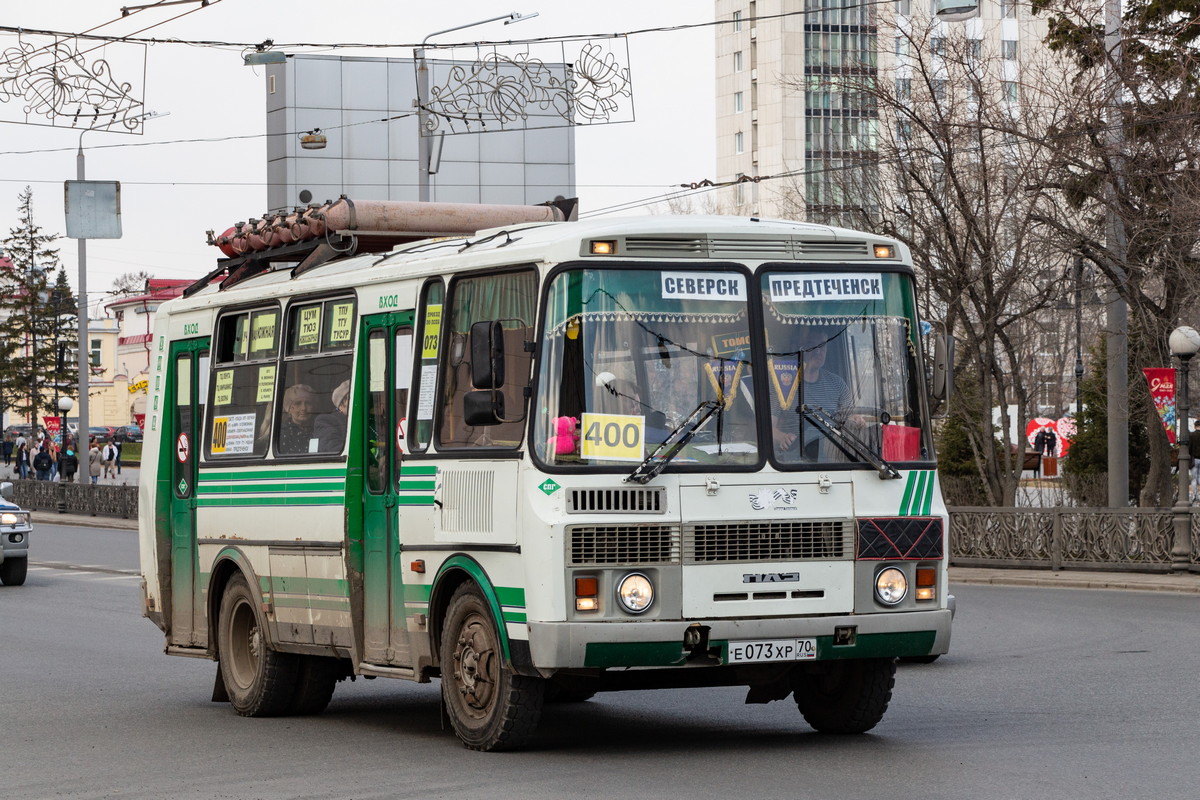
{"points": [[501, 91], [49, 80]]}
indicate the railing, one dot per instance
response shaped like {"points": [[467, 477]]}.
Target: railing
{"points": [[1133, 539], [103, 500]]}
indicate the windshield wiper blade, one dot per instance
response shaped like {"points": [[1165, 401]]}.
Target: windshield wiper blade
{"points": [[657, 461], [849, 442]]}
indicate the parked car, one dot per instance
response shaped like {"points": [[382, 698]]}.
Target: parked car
{"points": [[127, 433], [19, 430], [15, 528], [102, 433]]}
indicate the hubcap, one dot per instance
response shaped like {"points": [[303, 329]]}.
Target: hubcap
{"points": [[475, 666]]}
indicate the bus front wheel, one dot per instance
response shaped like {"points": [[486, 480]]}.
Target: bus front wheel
{"points": [[490, 707], [845, 696], [260, 682]]}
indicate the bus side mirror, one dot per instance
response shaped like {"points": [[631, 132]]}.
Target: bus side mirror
{"points": [[487, 355], [943, 368], [484, 407]]}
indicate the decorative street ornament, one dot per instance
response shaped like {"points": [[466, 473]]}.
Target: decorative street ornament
{"points": [[579, 83], [72, 82]]}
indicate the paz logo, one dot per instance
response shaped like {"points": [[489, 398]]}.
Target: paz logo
{"points": [[549, 487], [767, 499]]}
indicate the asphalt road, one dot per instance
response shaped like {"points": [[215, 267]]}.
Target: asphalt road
{"points": [[1046, 693]]}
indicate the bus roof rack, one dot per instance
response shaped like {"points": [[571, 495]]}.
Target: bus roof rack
{"points": [[309, 237]]}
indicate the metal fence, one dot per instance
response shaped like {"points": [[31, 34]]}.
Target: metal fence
{"points": [[1133, 539], [100, 500]]}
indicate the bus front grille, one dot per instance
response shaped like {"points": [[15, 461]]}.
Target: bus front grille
{"points": [[712, 542], [791, 540]]}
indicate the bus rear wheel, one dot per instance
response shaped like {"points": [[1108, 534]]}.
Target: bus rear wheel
{"points": [[260, 682], [490, 707], [845, 696]]}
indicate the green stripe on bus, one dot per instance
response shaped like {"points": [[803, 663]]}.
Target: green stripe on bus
{"points": [[319, 587], [418, 470], [918, 493], [908, 490], [273, 488], [514, 616], [928, 506], [335, 500], [510, 596], [304, 602], [273, 474], [417, 486], [414, 500]]}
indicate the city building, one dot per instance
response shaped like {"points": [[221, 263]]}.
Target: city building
{"points": [[129, 370], [787, 113]]}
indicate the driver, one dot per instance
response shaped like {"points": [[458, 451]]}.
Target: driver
{"points": [[821, 388]]}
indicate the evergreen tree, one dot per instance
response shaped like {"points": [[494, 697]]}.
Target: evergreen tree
{"points": [[36, 314]]}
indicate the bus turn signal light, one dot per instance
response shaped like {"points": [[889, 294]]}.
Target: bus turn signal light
{"points": [[926, 583], [587, 591]]}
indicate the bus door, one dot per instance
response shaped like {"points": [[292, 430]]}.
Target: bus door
{"points": [[388, 371], [188, 367]]}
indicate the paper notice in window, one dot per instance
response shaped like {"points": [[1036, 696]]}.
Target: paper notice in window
{"points": [[310, 327], [224, 392], [266, 385], [428, 391], [341, 329]]}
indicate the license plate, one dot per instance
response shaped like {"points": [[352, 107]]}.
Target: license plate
{"points": [[772, 650]]}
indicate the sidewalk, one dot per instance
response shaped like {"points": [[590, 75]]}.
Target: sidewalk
{"points": [[82, 520], [1183, 583]]}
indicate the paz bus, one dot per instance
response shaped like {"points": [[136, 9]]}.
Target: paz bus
{"points": [[539, 459]]}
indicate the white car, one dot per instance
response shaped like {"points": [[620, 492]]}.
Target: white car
{"points": [[15, 527]]}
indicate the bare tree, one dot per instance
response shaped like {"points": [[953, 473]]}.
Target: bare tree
{"points": [[954, 170], [130, 283], [1130, 148]]}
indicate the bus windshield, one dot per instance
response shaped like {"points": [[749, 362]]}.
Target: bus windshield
{"points": [[851, 337], [629, 354]]}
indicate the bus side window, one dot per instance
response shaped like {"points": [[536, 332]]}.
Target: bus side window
{"points": [[243, 384], [511, 299], [424, 385], [317, 363]]}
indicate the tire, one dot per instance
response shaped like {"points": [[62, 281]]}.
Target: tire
{"points": [[316, 678], [919, 659], [260, 681], [845, 696], [13, 571], [489, 707]]}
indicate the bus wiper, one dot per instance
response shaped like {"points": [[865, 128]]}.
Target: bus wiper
{"points": [[849, 442], [657, 461]]}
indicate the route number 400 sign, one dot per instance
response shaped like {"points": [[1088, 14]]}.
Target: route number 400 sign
{"points": [[613, 437]]}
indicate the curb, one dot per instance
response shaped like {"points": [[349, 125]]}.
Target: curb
{"points": [[81, 520], [1188, 583]]}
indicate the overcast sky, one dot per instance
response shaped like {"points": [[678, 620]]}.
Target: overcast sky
{"points": [[173, 193]]}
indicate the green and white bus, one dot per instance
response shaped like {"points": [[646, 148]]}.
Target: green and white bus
{"points": [[547, 459]]}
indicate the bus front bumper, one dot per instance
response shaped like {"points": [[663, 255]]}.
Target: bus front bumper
{"points": [[601, 645]]}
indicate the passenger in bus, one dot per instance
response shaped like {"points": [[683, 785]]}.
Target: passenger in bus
{"points": [[299, 405], [330, 429], [821, 388]]}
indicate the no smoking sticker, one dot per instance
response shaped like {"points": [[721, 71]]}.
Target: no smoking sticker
{"points": [[182, 448]]}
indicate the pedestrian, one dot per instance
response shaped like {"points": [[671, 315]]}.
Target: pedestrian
{"points": [[95, 462], [117, 460], [7, 449], [110, 461], [68, 463], [23, 460], [42, 464], [54, 450]]}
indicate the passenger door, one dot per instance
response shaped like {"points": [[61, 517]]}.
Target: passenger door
{"points": [[384, 393], [189, 362]]}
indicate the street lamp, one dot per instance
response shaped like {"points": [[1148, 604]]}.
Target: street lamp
{"points": [[64, 405], [425, 166], [84, 349], [1184, 343]]}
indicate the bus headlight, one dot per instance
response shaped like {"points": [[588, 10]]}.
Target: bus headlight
{"points": [[635, 593], [891, 587]]}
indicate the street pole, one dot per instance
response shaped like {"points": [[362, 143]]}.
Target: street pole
{"points": [[84, 349], [1117, 360], [424, 145], [1184, 343], [1078, 338]]}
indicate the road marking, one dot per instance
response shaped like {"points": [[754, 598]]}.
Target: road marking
{"points": [[58, 565]]}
